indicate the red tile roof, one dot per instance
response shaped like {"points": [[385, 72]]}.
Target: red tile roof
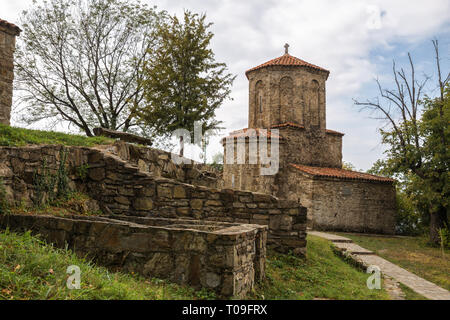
{"points": [[340, 173], [298, 126], [9, 25], [286, 60], [334, 132], [288, 124]]}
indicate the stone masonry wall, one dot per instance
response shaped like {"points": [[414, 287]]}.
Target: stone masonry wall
{"points": [[160, 164], [287, 94], [121, 188], [7, 48], [222, 257], [311, 147], [345, 205]]}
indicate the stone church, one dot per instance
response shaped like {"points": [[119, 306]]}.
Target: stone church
{"points": [[288, 94]]}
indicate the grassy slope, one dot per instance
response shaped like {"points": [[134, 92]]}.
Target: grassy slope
{"points": [[30, 269], [322, 275], [17, 137], [411, 253]]}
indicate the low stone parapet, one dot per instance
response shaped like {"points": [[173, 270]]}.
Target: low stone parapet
{"points": [[224, 257]]}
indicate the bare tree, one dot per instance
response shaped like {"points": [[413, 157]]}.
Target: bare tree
{"points": [[80, 60], [406, 133]]}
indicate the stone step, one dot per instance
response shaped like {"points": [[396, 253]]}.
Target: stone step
{"points": [[331, 237], [353, 248]]}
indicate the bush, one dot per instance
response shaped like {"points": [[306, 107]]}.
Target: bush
{"points": [[409, 219]]}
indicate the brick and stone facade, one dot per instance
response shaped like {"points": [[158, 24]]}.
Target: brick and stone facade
{"points": [[8, 33], [287, 98]]}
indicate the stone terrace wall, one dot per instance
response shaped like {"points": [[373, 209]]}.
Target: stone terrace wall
{"points": [[121, 188], [220, 257], [159, 163]]}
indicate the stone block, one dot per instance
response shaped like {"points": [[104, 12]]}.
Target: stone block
{"points": [[143, 204]]}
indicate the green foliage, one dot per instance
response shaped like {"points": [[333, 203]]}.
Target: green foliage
{"points": [[444, 235], [415, 254], [321, 275], [79, 61], [82, 171], [428, 185], [32, 269], [4, 205], [49, 186], [217, 161], [183, 83], [417, 139], [18, 137], [411, 219]]}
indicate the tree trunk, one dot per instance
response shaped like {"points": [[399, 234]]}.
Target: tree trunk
{"points": [[438, 220], [181, 146]]}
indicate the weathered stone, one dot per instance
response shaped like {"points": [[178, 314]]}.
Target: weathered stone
{"points": [[97, 174], [179, 192], [196, 204], [214, 203], [158, 265], [143, 204], [164, 192], [212, 280], [122, 200]]}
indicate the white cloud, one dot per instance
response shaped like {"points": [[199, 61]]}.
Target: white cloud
{"points": [[336, 34]]}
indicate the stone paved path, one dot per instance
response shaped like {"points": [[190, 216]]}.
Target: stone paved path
{"points": [[366, 258]]}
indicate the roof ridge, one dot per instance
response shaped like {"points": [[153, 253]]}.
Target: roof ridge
{"points": [[287, 60], [339, 173]]}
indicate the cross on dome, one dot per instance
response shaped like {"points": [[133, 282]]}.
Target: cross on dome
{"points": [[286, 48]]}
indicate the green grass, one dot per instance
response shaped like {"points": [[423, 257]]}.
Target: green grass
{"points": [[31, 269], [411, 294], [412, 253], [323, 275], [17, 137]]}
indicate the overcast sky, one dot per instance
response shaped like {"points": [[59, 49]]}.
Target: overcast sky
{"points": [[355, 40]]}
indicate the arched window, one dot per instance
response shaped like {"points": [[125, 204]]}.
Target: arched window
{"points": [[314, 103], [259, 102], [287, 112]]}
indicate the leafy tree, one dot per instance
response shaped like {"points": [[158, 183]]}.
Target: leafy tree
{"points": [[348, 166], [417, 136], [183, 83], [217, 161], [411, 217], [80, 61]]}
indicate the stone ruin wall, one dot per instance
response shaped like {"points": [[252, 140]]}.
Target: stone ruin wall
{"points": [[7, 47], [159, 163], [311, 148], [121, 188], [223, 257]]}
